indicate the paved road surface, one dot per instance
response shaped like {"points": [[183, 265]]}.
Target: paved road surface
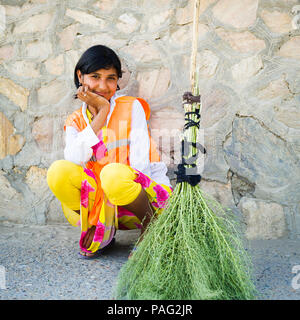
{"points": [[41, 262]]}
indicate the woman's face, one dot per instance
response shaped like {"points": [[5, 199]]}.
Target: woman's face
{"points": [[102, 82]]}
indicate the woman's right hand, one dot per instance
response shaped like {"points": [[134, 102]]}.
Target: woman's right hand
{"points": [[92, 99], [96, 102]]}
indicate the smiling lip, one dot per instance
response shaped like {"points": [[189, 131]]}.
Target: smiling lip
{"points": [[99, 93]]}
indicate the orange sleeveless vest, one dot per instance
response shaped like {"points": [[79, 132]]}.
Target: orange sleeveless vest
{"points": [[117, 144]]}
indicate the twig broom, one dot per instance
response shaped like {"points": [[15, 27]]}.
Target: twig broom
{"points": [[193, 250]]}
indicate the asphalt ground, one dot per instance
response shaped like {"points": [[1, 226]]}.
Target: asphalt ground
{"points": [[41, 263]]}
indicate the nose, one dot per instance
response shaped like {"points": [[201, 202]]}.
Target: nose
{"points": [[102, 84]]}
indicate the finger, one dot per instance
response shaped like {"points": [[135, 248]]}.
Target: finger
{"points": [[91, 95], [81, 97], [89, 239], [95, 95], [88, 93], [86, 239], [86, 89], [79, 92]]}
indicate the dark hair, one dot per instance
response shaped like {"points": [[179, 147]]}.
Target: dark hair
{"points": [[95, 58]]}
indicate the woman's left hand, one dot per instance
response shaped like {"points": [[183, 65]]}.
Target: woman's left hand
{"points": [[89, 237]]}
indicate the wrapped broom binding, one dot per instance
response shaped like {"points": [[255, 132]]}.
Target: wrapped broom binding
{"points": [[194, 249]]}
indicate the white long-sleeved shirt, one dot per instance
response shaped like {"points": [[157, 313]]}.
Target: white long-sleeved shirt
{"points": [[79, 145]]}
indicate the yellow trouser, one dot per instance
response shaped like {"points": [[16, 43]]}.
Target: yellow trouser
{"points": [[117, 181]]}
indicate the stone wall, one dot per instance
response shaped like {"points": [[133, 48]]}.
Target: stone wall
{"points": [[249, 75]]}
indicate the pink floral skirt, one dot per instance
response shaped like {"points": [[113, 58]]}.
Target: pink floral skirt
{"points": [[114, 217], [158, 195]]}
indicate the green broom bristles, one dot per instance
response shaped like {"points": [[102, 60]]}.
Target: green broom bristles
{"points": [[188, 252]]}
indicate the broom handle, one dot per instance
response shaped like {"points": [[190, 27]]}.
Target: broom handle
{"points": [[191, 133], [194, 45]]}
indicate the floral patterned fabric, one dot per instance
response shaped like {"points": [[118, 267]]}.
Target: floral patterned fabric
{"points": [[115, 217]]}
